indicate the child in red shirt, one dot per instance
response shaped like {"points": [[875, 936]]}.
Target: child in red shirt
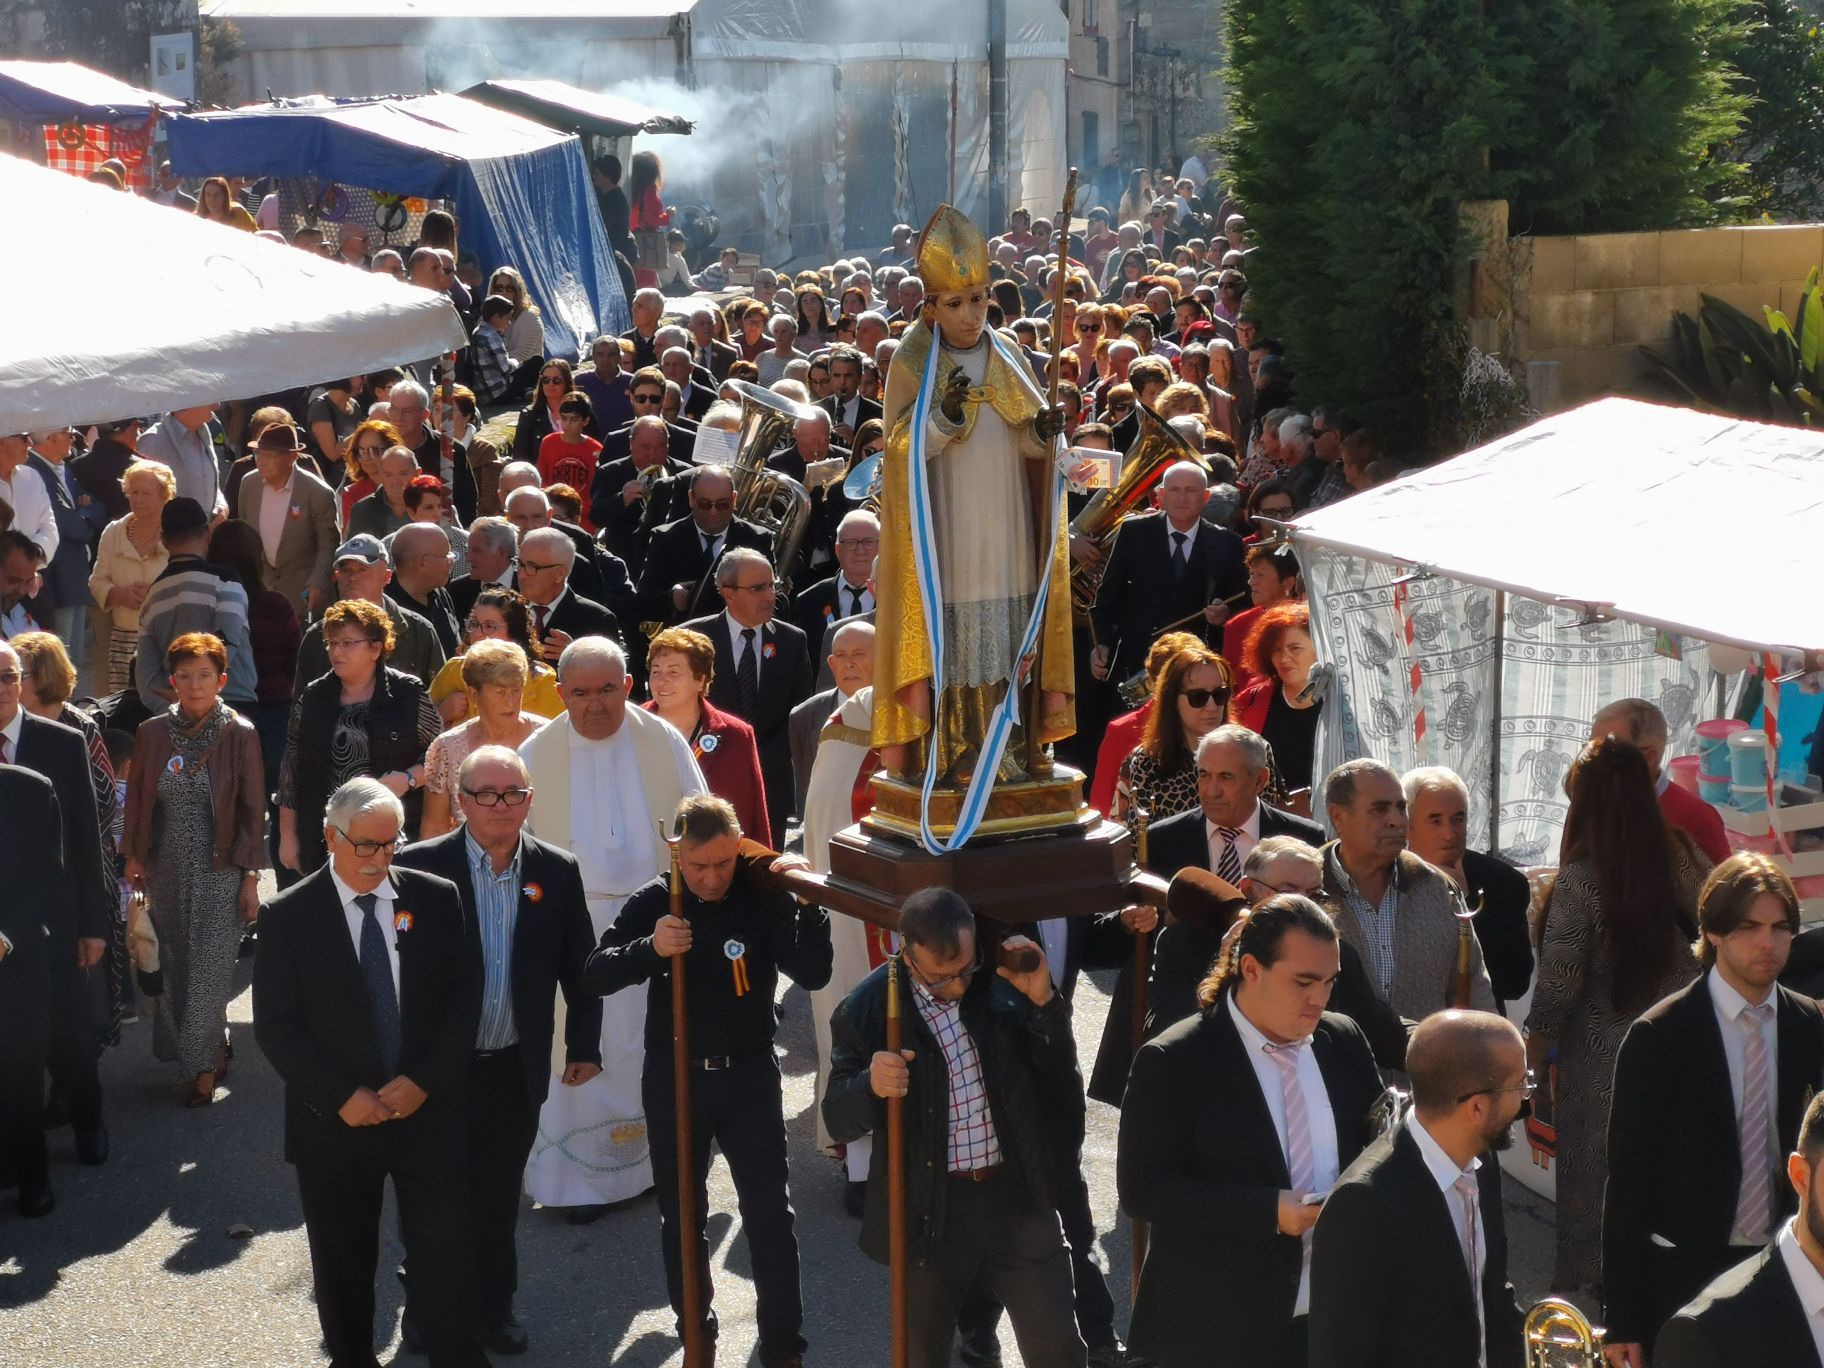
{"points": [[568, 457]]}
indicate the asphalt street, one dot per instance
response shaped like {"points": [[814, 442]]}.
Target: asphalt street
{"points": [[187, 1248]]}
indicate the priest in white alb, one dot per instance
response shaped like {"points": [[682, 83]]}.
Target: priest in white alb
{"points": [[604, 776]]}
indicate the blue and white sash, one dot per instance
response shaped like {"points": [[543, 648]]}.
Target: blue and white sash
{"points": [[930, 588]]}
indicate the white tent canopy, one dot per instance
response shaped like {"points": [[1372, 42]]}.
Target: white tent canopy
{"points": [[134, 308]]}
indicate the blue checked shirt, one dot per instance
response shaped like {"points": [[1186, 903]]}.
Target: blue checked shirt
{"points": [[1379, 923], [497, 909], [973, 1143]]}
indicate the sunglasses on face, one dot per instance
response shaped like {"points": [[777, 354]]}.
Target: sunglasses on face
{"points": [[648, 398], [1202, 698], [551, 380]]}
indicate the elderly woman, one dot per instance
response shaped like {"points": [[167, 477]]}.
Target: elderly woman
{"points": [[494, 678], [128, 557], [681, 665], [1273, 579], [195, 842], [361, 462], [359, 719], [526, 330], [498, 614], [384, 512], [1160, 775], [1280, 654]]}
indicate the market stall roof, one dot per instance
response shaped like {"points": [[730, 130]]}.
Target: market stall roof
{"points": [[559, 105], [159, 309], [1635, 509], [436, 10], [521, 190], [56, 92]]}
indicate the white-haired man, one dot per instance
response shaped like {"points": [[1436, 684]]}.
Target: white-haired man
{"points": [[410, 409], [647, 307], [848, 592], [561, 615], [366, 994], [599, 773]]}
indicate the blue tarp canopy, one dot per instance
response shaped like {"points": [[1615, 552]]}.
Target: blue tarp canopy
{"points": [[56, 92], [521, 191]]}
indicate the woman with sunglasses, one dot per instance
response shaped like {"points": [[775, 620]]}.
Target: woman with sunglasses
{"points": [[1132, 269], [1088, 334], [526, 327], [494, 675], [361, 455], [538, 420], [498, 614], [1191, 699], [1279, 655]]}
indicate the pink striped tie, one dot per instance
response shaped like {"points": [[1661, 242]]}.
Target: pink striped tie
{"points": [[1753, 1205], [1298, 1127]]}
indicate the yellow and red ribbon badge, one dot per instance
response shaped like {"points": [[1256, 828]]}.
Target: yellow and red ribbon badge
{"points": [[737, 964]]}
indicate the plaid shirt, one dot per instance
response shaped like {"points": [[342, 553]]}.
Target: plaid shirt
{"points": [[973, 1143], [1379, 923], [493, 367]]}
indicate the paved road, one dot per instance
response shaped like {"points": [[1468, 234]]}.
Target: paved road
{"points": [[137, 1267]]}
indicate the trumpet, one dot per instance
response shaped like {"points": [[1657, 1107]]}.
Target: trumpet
{"points": [[1558, 1335]]}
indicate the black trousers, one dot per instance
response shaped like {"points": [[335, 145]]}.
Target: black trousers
{"points": [[981, 1313], [78, 1014], [1018, 1252], [502, 1126], [740, 1108], [342, 1193], [25, 1030]]}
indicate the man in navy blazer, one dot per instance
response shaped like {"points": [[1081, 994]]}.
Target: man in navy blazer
{"points": [[66, 579], [524, 911], [366, 995]]}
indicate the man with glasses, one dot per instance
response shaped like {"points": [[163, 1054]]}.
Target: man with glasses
{"points": [[523, 899], [624, 486], [421, 573], [600, 771], [366, 992], [1230, 1206], [1409, 1263], [682, 555], [989, 1072], [763, 667], [847, 593], [561, 615]]}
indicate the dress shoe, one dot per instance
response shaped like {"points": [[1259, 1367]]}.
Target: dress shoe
{"points": [[411, 1334], [585, 1215], [979, 1351], [1110, 1355], [506, 1336], [92, 1146], [35, 1200], [855, 1198]]}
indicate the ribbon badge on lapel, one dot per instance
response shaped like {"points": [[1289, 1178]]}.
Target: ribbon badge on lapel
{"points": [[737, 964], [768, 651], [534, 892], [295, 512], [402, 922]]}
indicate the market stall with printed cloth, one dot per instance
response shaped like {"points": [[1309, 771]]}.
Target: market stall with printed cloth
{"points": [[520, 191], [80, 117], [173, 310]]}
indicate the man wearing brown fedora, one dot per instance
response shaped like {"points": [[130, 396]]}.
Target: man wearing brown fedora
{"points": [[295, 515]]}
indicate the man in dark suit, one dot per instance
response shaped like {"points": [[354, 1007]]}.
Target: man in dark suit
{"points": [[561, 615], [493, 546], [66, 579], [1437, 815], [681, 558], [647, 306], [707, 350], [597, 574], [366, 995], [850, 591], [1409, 1258], [624, 486], [1163, 567], [34, 932], [1726, 1065], [60, 754], [696, 387], [763, 668], [1231, 1124], [847, 406], [523, 906], [1767, 1309]]}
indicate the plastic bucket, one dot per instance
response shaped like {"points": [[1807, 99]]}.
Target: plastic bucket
{"points": [[1712, 790], [1748, 797], [1748, 758], [1684, 770], [1712, 736]]}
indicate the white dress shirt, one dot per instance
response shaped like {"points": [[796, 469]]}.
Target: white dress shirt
{"points": [[845, 603], [275, 505], [1729, 1006], [11, 734], [383, 913], [1444, 1173], [30, 501], [1807, 1281], [1320, 1120], [1054, 940], [738, 647], [1247, 837], [1172, 533]]}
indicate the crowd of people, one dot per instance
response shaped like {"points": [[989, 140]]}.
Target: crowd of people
{"points": [[473, 659]]}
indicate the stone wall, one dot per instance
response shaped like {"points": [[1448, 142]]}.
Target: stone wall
{"points": [[1589, 302]]}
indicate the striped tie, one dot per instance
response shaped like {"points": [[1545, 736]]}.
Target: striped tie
{"points": [[1753, 1204], [1228, 866], [1298, 1127]]}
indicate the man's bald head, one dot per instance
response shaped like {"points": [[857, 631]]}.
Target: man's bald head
{"points": [[1455, 1055], [517, 475], [852, 657], [418, 539]]}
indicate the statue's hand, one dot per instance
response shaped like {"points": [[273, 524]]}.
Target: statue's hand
{"points": [[955, 392], [1048, 423]]}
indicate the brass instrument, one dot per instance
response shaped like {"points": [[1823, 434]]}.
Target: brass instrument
{"points": [[1558, 1335], [767, 497], [1135, 689], [862, 486], [1156, 449]]}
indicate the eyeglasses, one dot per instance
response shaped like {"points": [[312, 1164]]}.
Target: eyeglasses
{"points": [[1120, 408], [550, 379], [1202, 698], [348, 643], [712, 505], [1289, 888], [770, 587], [963, 976], [538, 567], [368, 849], [368, 449], [491, 798], [1525, 1090], [858, 543]]}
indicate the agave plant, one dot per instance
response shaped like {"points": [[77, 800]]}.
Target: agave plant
{"points": [[1726, 361]]}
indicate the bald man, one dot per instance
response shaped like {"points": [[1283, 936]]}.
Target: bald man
{"points": [[420, 553]]}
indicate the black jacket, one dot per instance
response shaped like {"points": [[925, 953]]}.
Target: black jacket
{"points": [[43, 925], [865, 409], [577, 616], [1389, 1288], [1750, 1315], [67, 576], [675, 555], [552, 937], [310, 1014], [785, 682], [1675, 1165], [1029, 1064], [392, 744], [1140, 595], [535, 425], [1200, 1160], [1501, 926], [619, 521], [60, 754], [817, 606]]}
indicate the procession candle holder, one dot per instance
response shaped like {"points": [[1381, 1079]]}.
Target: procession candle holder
{"points": [[687, 1187]]}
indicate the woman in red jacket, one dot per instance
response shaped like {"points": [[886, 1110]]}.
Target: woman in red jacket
{"points": [[680, 664], [1272, 578], [1281, 654], [645, 180]]}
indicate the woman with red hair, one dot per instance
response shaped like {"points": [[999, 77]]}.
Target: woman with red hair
{"points": [[1280, 654]]}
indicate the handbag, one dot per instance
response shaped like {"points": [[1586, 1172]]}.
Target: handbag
{"points": [[651, 250]]}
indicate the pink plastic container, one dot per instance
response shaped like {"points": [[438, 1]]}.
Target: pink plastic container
{"points": [[1684, 769]]}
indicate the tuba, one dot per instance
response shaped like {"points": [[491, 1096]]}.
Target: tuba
{"points": [[767, 497], [1154, 450], [1558, 1335]]}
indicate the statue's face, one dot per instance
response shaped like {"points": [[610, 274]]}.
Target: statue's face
{"points": [[961, 315]]}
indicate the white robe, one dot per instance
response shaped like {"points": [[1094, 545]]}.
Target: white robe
{"points": [[597, 799]]}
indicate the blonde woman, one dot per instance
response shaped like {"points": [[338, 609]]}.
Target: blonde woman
{"points": [[526, 329], [494, 677], [128, 557]]}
